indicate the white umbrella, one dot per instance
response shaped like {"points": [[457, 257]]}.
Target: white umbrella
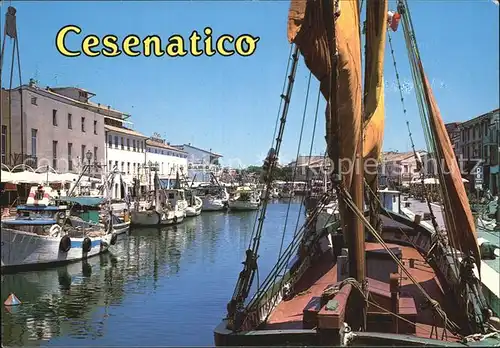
{"points": [[7, 177], [27, 177]]}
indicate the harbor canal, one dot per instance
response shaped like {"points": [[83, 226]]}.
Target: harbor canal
{"points": [[157, 287]]}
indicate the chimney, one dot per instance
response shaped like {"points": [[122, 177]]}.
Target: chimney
{"points": [[99, 105], [109, 107]]}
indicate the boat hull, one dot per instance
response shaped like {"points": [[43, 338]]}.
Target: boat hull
{"points": [[213, 205], [243, 205], [145, 218], [193, 211], [28, 250]]}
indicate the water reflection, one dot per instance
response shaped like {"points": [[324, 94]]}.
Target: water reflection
{"points": [[156, 287]]}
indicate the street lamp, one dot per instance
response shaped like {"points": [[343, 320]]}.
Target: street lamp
{"points": [[88, 155]]}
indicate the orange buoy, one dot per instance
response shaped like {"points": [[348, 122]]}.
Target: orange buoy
{"points": [[12, 300]]}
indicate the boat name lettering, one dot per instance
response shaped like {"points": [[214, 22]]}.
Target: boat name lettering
{"points": [[177, 46]]}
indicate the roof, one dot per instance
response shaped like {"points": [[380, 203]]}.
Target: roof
{"points": [[77, 88], [305, 160], [124, 131], [480, 117], [393, 156], [51, 91], [150, 142], [197, 148]]}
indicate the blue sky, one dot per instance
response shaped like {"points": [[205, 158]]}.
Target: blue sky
{"points": [[230, 104]]}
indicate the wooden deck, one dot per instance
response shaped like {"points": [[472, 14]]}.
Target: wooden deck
{"points": [[290, 314]]}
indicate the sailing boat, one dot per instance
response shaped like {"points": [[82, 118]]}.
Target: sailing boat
{"points": [[388, 288]]}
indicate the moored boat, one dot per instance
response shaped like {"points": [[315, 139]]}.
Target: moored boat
{"points": [[39, 235], [245, 198], [195, 203]]}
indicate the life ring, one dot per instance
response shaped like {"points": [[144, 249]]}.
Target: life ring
{"points": [[65, 244], [114, 237], [55, 230], [175, 219], [86, 245]]}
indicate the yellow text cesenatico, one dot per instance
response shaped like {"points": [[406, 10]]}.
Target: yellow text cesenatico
{"points": [[133, 46]]}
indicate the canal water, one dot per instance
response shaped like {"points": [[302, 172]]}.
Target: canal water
{"points": [[157, 287]]}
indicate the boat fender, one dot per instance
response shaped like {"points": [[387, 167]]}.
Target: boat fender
{"points": [[55, 231], [86, 245], [65, 244], [106, 225], [114, 237], [175, 219]]}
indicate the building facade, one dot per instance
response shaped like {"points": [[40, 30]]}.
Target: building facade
{"points": [[58, 127], [479, 145], [125, 152], [201, 163], [169, 160], [454, 133], [399, 168]]}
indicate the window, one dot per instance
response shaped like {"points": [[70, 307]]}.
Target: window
{"points": [[54, 154], [121, 141], [70, 161], [33, 141], [128, 167], [116, 165], [54, 117], [95, 153], [110, 140], [133, 168], [140, 145], [110, 165], [128, 144], [123, 167], [116, 141], [133, 144], [33, 100], [83, 153], [83, 124], [70, 125], [95, 127], [4, 143]]}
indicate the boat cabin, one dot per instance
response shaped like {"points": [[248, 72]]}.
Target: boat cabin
{"points": [[390, 200], [173, 198]]}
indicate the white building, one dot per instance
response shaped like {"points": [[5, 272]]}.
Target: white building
{"points": [[201, 162], [125, 151], [59, 127], [169, 159], [398, 168]]}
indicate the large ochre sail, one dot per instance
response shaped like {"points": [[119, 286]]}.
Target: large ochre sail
{"points": [[374, 108], [459, 221], [307, 29]]}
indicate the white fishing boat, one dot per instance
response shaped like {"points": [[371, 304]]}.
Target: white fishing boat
{"points": [[214, 197], [245, 198], [39, 236], [195, 203], [168, 208]]}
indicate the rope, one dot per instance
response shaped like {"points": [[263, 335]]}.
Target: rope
{"points": [[296, 163], [291, 248], [423, 102], [289, 255], [245, 279], [434, 304]]}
